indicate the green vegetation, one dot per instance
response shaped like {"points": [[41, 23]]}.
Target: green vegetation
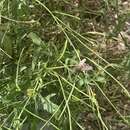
{"points": [[64, 65]]}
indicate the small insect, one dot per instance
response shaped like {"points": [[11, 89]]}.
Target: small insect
{"points": [[76, 3], [83, 67]]}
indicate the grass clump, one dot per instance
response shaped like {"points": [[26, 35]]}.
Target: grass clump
{"points": [[64, 65]]}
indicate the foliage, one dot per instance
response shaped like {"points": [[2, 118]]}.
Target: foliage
{"points": [[64, 65]]}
